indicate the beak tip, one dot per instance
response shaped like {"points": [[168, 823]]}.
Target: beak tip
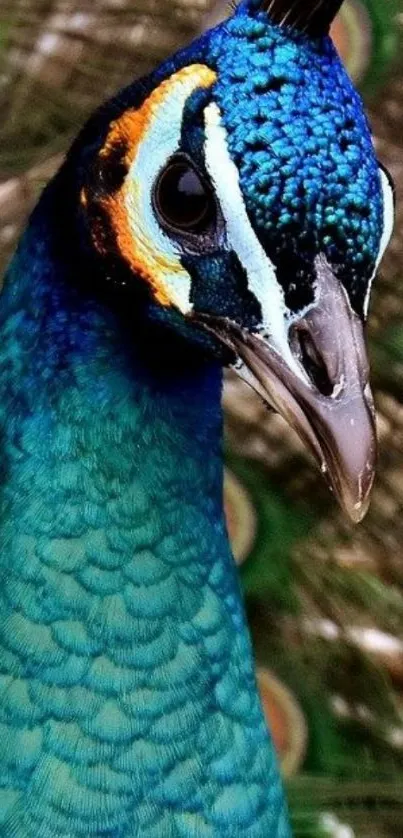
{"points": [[358, 512], [356, 503], [350, 461]]}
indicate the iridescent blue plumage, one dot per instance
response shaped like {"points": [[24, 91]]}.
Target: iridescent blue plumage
{"points": [[128, 702], [298, 134]]}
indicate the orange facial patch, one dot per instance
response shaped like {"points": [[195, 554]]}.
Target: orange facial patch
{"points": [[138, 143]]}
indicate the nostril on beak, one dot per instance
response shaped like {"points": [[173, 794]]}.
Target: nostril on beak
{"points": [[310, 358]]}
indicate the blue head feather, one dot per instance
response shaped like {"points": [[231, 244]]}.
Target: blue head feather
{"points": [[299, 136]]}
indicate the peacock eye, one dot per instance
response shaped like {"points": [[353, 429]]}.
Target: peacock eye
{"points": [[183, 201]]}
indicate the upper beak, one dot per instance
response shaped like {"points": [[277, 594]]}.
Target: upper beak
{"points": [[321, 388]]}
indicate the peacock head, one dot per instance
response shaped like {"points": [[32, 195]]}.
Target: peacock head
{"points": [[239, 186]]}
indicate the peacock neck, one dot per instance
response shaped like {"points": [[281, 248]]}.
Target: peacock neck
{"points": [[127, 674]]}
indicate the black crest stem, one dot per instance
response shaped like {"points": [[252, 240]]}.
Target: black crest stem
{"points": [[311, 16]]}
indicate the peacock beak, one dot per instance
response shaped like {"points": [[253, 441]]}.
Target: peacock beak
{"points": [[322, 388]]}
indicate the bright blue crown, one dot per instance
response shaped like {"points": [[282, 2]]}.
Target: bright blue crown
{"points": [[300, 139]]}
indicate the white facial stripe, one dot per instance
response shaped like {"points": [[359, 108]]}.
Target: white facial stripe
{"points": [[261, 273], [388, 225], [161, 141], [388, 215]]}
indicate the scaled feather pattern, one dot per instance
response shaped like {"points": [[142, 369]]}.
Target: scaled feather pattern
{"points": [[127, 695]]}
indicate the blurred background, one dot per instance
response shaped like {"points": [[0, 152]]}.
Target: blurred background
{"points": [[325, 600]]}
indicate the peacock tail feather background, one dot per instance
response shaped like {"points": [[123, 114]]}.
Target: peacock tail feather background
{"points": [[327, 618]]}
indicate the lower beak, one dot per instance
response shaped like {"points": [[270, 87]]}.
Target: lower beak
{"points": [[321, 389]]}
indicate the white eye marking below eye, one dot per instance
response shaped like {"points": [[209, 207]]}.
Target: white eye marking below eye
{"points": [[261, 273], [388, 225]]}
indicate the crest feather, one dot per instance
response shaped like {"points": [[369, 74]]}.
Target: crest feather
{"points": [[311, 16]]}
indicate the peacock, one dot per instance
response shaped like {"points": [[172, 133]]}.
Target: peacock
{"points": [[226, 211]]}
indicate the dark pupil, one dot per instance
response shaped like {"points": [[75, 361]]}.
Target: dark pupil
{"points": [[182, 200]]}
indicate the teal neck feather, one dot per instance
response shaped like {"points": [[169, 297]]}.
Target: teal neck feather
{"points": [[128, 704]]}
